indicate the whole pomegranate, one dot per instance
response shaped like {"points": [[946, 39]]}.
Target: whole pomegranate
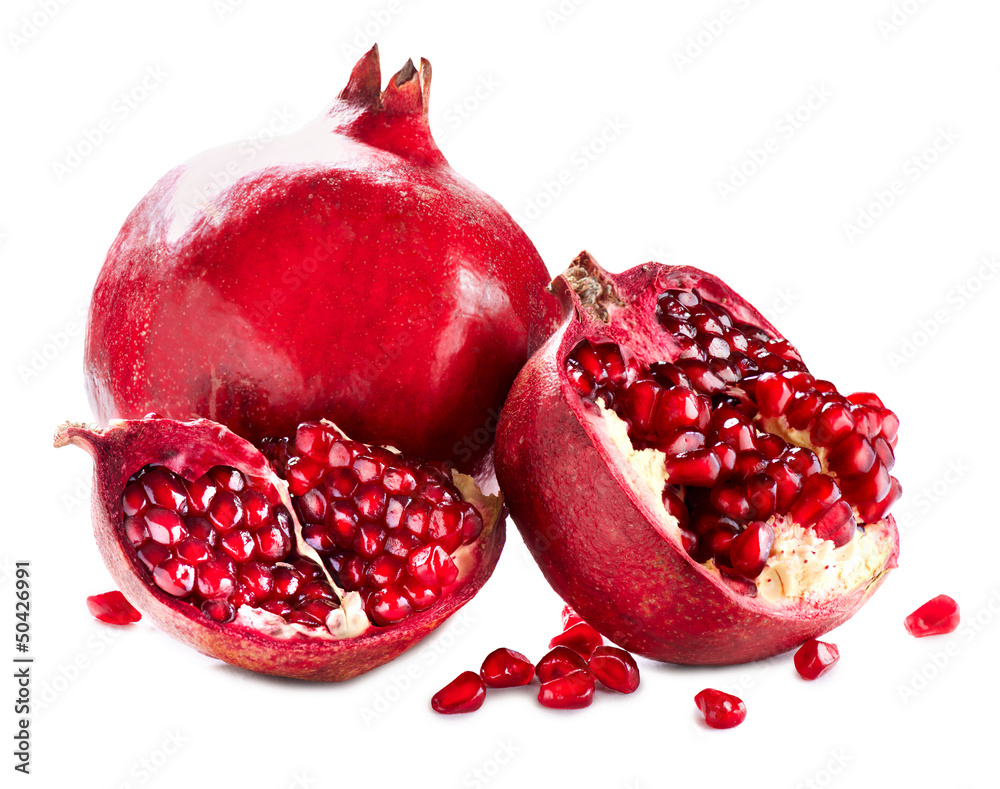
{"points": [[320, 558], [683, 481], [342, 272]]}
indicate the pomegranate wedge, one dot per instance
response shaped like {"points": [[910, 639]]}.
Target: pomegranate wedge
{"points": [[321, 560], [683, 481]]}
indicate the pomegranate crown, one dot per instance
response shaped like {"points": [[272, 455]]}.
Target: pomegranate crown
{"points": [[394, 119], [408, 92]]}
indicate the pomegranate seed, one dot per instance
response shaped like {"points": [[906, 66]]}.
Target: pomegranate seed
{"points": [[421, 596], [313, 440], [505, 668], [836, 524], [465, 693], [570, 617], [748, 551], [700, 467], [165, 526], [559, 662], [581, 638], [388, 606], [113, 608], [194, 551], [165, 489], [221, 611], [721, 710], [134, 500], [814, 658], [935, 617], [570, 692], [432, 565], [174, 577], [615, 669]]}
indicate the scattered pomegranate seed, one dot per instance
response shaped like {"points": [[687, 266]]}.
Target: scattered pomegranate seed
{"points": [[465, 693], [814, 658], [113, 608], [933, 618], [615, 669], [580, 637], [558, 663], [721, 710], [570, 617], [572, 691], [505, 668]]}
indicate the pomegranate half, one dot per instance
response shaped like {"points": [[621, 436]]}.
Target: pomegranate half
{"points": [[344, 271], [682, 480], [319, 558]]}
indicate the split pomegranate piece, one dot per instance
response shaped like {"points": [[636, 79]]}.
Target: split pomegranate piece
{"points": [[345, 272], [936, 617], [559, 662], [814, 658], [615, 669], [721, 710], [505, 668], [683, 481], [319, 558], [113, 608], [572, 691], [465, 693], [580, 637]]}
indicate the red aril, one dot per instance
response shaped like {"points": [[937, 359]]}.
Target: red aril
{"points": [[304, 560], [344, 271], [570, 617], [505, 668], [465, 693], [936, 617], [615, 669], [814, 658], [721, 710], [113, 608], [571, 691], [559, 662], [668, 422], [579, 637]]}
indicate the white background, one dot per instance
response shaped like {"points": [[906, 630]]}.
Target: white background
{"points": [[645, 109]]}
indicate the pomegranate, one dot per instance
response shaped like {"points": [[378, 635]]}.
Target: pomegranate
{"points": [[721, 710], [318, 558], [344, 272], [465, 693], [682, 480], [936, 617], [113, 608], [814, 658]]}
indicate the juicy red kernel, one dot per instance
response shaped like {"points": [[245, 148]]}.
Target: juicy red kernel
{"points": [[559, 662], [937, 616], [572, 691], [570, 617], [465, 693], [505, 668], [113, 608], [721, 710], [814, 658], [615, 668], [581, 638]]}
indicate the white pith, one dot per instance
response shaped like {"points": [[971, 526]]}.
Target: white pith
{"points": [[801, 566]]}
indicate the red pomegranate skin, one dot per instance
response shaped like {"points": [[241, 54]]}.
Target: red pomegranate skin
{"points": [[568, 491], [345, 272], [192, 448]]}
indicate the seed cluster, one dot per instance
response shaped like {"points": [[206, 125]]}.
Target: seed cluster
{"points": [[719, 409]]}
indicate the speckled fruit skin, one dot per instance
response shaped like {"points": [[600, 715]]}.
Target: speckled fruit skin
{"points": [[600, 542], [343, 272], [191, 448]]}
